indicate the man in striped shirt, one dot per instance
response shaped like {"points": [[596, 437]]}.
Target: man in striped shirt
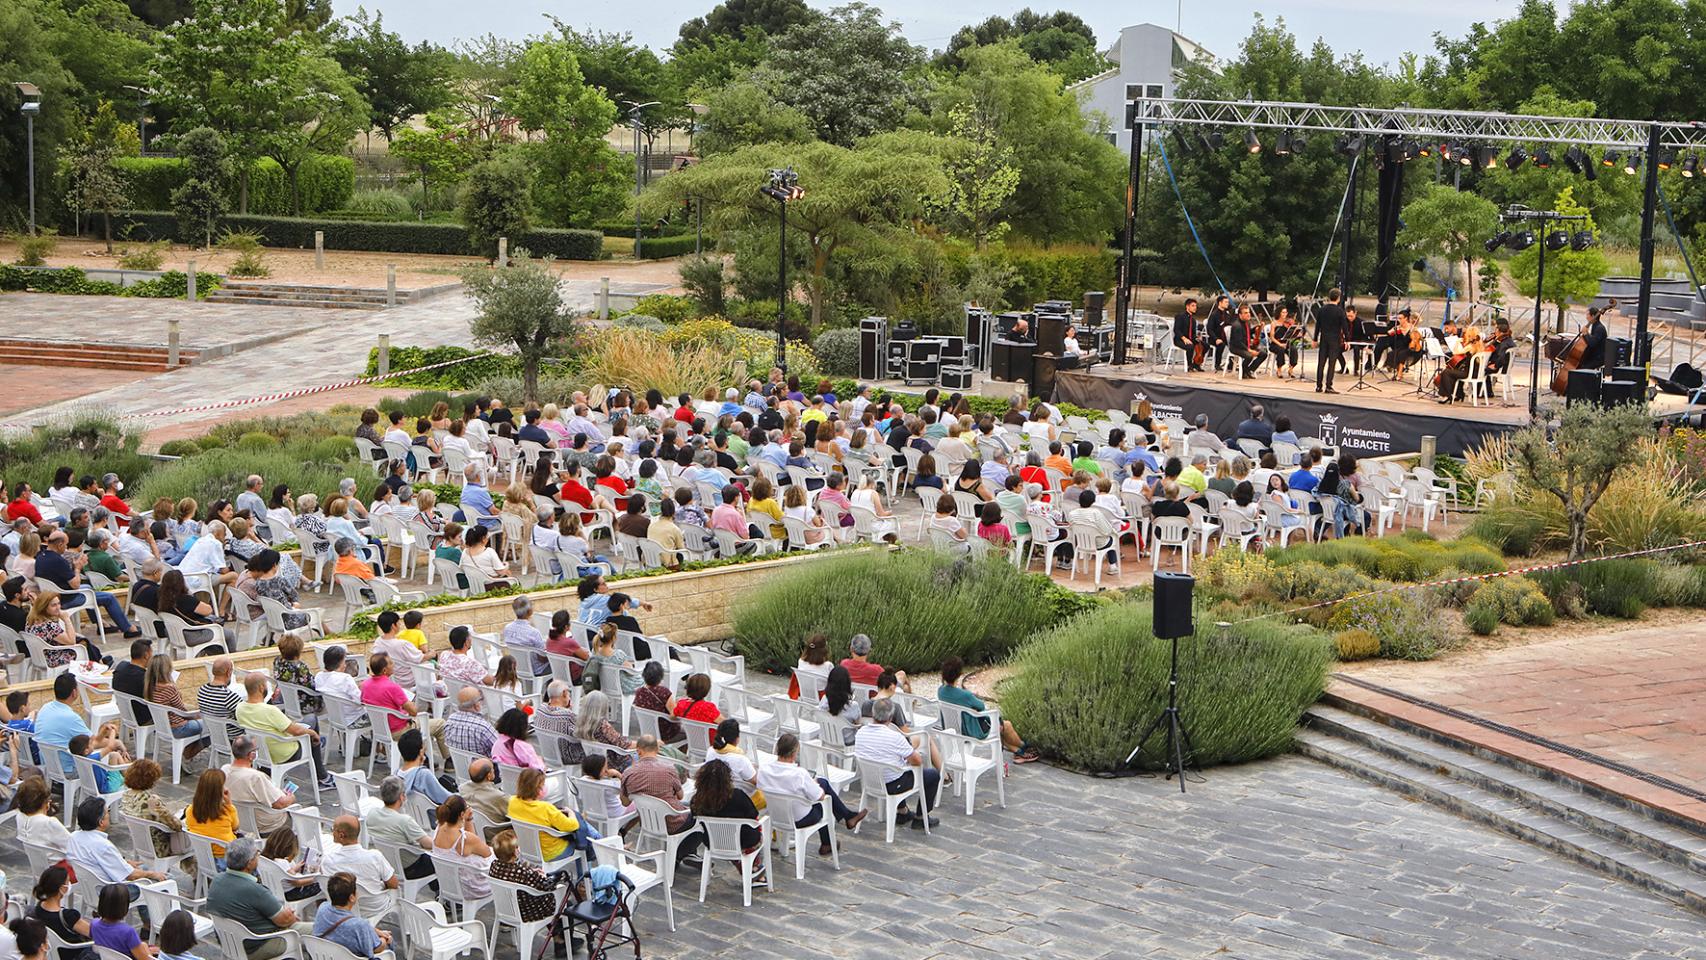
{"points": [[216, 700]]}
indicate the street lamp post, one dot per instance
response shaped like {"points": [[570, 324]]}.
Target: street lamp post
{"points": [[634, 120], [783, 187], [141, 116], [31, 107]]}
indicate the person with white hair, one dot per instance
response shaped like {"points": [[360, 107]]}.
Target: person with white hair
{"points": [[250, 499], [881, 742], [1202, 438], [521, 632], [206, 557], [347, 490]]}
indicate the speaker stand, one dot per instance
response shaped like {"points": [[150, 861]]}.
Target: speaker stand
{"points": [[1177, 745]]}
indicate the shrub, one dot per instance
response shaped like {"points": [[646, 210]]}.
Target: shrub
{"points": [[1234, 572], [1407, 624], [1482, 618], [179, 448], [1513, 530], [838, 351], [458, 376], [381, 205], [668, 308], [919, 606], [247, 246], [493, 203], [639, 321], [1613, 588], [256, 442], [33, 251], [761, 315], [220, 473], [1311, 581], [1082, 690], [705, 281], [408, 237], [553, 387], [147, 256], [662, 248], [1408, 558], [1517, 601], [175, 285], [1674, 585], [1356, 644], [324, 182]]}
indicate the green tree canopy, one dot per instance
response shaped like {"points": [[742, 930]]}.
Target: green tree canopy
{"points": [[521, 307], [1061, 41], [1572, 276], [849, 71], [744, 113], [735, 18], [1450, 224], [397, 81], [577, 176], [629, 74]]}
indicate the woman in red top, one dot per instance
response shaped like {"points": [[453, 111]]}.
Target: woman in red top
{"points": [[696, 704], [1033, 472], [605, 469], [21, 505], [571, 490]]}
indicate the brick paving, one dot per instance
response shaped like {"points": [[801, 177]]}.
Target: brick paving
{"points": [[1636, 695]]}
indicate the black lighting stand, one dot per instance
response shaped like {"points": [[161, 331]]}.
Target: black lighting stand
{"points": [[1522, 240]]}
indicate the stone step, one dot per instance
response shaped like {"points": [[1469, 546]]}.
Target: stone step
{"points": [[1566, 801], [1422, 781], [350, 296], [282, 302], [110, 356], [269, 289]]}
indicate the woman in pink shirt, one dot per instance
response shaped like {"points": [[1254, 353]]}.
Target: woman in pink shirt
{"points": [[380, 690], [511, 746]]}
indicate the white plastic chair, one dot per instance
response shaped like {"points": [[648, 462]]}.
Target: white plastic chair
{"points": [[722, 842], [448, 873], [231, 935], [428, 934], [506, 898], [1171, 532], [873, 786], [788, 808]]}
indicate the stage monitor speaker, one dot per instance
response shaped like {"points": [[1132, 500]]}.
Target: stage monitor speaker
{"points": [[873, 347], [1582, 385], [1043, 367], [1635, 375], [1051, 333], [1173, 604], [1617, 352], [1095, 303], [1617, 391]]}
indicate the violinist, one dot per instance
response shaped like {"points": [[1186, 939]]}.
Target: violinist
{"points": [[1284, 338], [1500, 344], [1404, 343], [1185, 334], [1449, 381], [1245, 337], [1219, 322]]}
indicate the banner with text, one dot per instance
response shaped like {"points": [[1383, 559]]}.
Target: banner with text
{"points": [[1352, 424]]}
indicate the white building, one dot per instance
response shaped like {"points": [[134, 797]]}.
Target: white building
{"points": [[1147, 59]]}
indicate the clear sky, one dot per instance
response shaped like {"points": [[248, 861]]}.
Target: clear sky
{"points": [[1381, 29]]}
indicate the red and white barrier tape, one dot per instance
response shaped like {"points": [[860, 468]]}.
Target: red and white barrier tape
{"points": [[1517, 572], [288, 394]]}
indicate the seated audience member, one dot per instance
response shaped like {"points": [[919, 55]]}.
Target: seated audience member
{"points": [[715, 795], [860, 668], [1169, 504], [391, 824], [341, 922], [786, 776], [529, 805], [510, 868], [952, 692], [237, 894], [881, 742], [372, 872]]}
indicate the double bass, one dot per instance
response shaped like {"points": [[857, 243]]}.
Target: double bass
{"points": [[1199, 342], [1565, 357]]}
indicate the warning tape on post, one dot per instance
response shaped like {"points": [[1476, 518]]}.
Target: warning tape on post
{"points": [[287, 394], [1514, 572]]}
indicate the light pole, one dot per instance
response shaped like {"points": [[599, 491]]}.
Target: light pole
{"points": [[634, 120], [31, 106], [784, 188], [141, 116], [1555, 240]]}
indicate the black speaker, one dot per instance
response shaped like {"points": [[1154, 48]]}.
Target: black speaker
{"points": [[1043, 367], [1051, 333], [1617, 352], [1094, 302], [1173, 605], [1617, 391], [1635, 375], [1582, 385], [873, 345]]}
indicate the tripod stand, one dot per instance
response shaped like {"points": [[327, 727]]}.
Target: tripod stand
{"points": [[1177, 745]]}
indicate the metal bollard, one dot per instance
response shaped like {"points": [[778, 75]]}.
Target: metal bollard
{"points": [[319, 250], [384, 362], [604, 298], [503, 251], [1430, 446], [390, 284], [192, 280], [172, 341]]}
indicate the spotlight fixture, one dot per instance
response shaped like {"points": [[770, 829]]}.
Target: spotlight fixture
{"points": [[1690, 165], [1424, 150], [1497, 240], [1516, 158], [1542, 157], [1520, 240], [1573, 159], [1412, 150], [1632, 163], [1557, 240], [1486, 157], [1666, 157], [1350, 146], [1282, 144], [1611, 158], [1394, 152], [1581, 240], [1252, 144], [1449, 149], [1465, 156], [1298, 142]]}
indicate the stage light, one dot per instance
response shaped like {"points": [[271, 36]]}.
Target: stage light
{"points": [[1573, 158], [1542, 157], [1557, 240], [1632, 163], [1412, 150], [1298, 142], [1465, 155], [1666, 157], [1520, 240], [1497, 240], [1611, 158], [1486, 157], [1394, 152], [1690, 165], [1424, 151], [1203, 140], [1282, 144], [1252, 144], [1449, 149], [1581, 240], [1516, 158], [1350, 146]]}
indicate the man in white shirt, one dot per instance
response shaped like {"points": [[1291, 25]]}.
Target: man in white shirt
{"points": [[1088, 514], [1202, 438], [880, 742], [245, 784], [373, 873], [91, 847], [787, 776], [207, 556], [334, 679]]}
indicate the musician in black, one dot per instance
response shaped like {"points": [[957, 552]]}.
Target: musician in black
{"points": [[1245, 338], [1185, 332], [1331, 328], [1593, 357], [1285, 343], [1219, 328]]}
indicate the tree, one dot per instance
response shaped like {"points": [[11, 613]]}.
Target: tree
{"points": [[1069, 179], [849, 71], [441, 154], [734, 18], [629, 74], [858, 202], [744, 113], [94, 184], [1579, 461], [396, 80], [484, 67], [494, 202], [521, 306], [199, 201], [1061, 41], [1492, 293], [982, 177], [700, 66], [1450, 224], [579, 178], [319, 115], [1572, 276], [160, 13]]}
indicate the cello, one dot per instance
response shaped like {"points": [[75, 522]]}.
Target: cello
{"points": [[1567, 359]]}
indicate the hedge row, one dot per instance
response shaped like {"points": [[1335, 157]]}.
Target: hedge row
{"points": [[448, 238], [325, 183], [170, 285], [1044, 273], [461, 376], [625, 228], [659, 248]]}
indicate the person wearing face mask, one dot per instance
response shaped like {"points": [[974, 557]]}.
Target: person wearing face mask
{"points": [[111, 487]]}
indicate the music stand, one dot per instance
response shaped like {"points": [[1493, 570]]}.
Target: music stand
{"points": [[1359, 352]]}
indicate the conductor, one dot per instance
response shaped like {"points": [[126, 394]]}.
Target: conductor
{"points": [[1331, 329]]}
